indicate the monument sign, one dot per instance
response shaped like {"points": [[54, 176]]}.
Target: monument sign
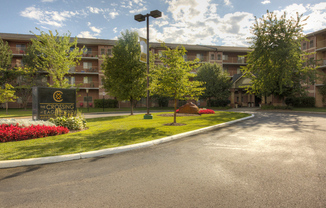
{"points": [[46, 100]]}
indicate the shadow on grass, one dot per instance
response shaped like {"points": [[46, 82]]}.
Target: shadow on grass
{"points": [[90, 142], [110, 118]]}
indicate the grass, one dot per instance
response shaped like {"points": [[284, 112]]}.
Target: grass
{"points": [[110, 132], [14, 112], [310, 109]]}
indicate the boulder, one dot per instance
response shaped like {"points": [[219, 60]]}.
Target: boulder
{"points": [[189, 108]]}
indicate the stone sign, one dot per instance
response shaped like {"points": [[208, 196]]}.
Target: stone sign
{"points": [[46, 100]]}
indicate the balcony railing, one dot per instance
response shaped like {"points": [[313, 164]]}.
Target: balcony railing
{"points": [[321, 44], [80, 69], [90, 84], [235, 60], [321, 63]]}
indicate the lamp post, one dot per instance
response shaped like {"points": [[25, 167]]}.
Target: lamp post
{"points": [[87, 100], [141, 18], [103, 100]]}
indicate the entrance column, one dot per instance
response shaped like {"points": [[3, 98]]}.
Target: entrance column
{"points": [[232, 97], [249, 100]]}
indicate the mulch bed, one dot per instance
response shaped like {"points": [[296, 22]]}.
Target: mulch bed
{"points": [[179, 114]]}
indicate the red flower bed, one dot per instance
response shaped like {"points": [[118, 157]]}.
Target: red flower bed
{"points": [[16, 133], [207, 111], [177, 111]]}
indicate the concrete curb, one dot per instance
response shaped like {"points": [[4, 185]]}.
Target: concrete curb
{"points": [[97, 153]]}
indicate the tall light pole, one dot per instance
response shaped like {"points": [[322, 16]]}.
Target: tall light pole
{"points": [[103, 100], [141, 18], [87, 100]]}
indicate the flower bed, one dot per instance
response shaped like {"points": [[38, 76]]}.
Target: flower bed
{"points": [[206, 111], [202, 111], [16, 132]]}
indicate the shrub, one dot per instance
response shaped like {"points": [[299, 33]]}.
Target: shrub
{"points": [[163, 101], [77, 122], [218, 103], [272, 107], [81, 104], [108, 103], [16, 133], [303, 102]]}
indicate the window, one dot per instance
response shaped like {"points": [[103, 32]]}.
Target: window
{"points": [[21, 48], [90, 99], [311, 43], [102, 51], [87, 65], [102, 80], [200, 56], [87, 80], [225, 57], [212, 56], [218, 56], [109, 52], [71, 80], [185, 57], [304, 46], [19, 63], [241, 59]]}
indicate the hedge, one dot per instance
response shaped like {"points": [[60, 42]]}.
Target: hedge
{"points": [[108, 103], [218, 103], [300, 102]]}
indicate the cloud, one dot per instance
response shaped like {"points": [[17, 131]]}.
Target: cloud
{"points": [[95, 10], [115, 30], [53, 18], [316, 14], [48, 0], [85, 34], [227, 2], [266, 2], [137, 10], [94, 29], [113, 14]]}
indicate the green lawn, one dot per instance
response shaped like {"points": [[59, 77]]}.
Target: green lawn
{"points": [[110, 132], [22, 113], [310, 109]]}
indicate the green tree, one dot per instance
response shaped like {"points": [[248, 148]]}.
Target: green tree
{"points": [[56, 55], [173, 78], [7, 95], [5, 55], [217, 83], [124, 74], [275, 66]]}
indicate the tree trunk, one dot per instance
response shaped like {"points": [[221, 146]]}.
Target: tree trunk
{"points": [[175, 113], [131, 106], [119, 103]]}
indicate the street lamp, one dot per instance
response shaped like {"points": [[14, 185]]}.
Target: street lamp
{"points": [[103, 100], [141, 18], [87, 100]]}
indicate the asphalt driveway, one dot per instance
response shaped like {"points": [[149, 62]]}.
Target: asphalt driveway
{"points": [[272, 160]]}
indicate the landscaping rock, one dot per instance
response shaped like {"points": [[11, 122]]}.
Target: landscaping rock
{"points": [[189, 108]]}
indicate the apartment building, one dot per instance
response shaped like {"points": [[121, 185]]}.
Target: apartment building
{"points": [[316, 44], [88, 74]]}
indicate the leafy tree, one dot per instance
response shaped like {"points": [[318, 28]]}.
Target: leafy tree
{"points": [[5, 55], [217, 83], [275, 66], [56, 55], [173, 78], [7, 95], [125, 75]]}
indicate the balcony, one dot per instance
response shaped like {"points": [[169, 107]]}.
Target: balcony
{"points": [[235, 61], [18, 51], [90, 55], [81, 70], [322, 64], [89, 85], [321, 45], [193, 57]]}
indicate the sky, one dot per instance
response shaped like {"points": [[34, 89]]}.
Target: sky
{"points": [[203, 22]]}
